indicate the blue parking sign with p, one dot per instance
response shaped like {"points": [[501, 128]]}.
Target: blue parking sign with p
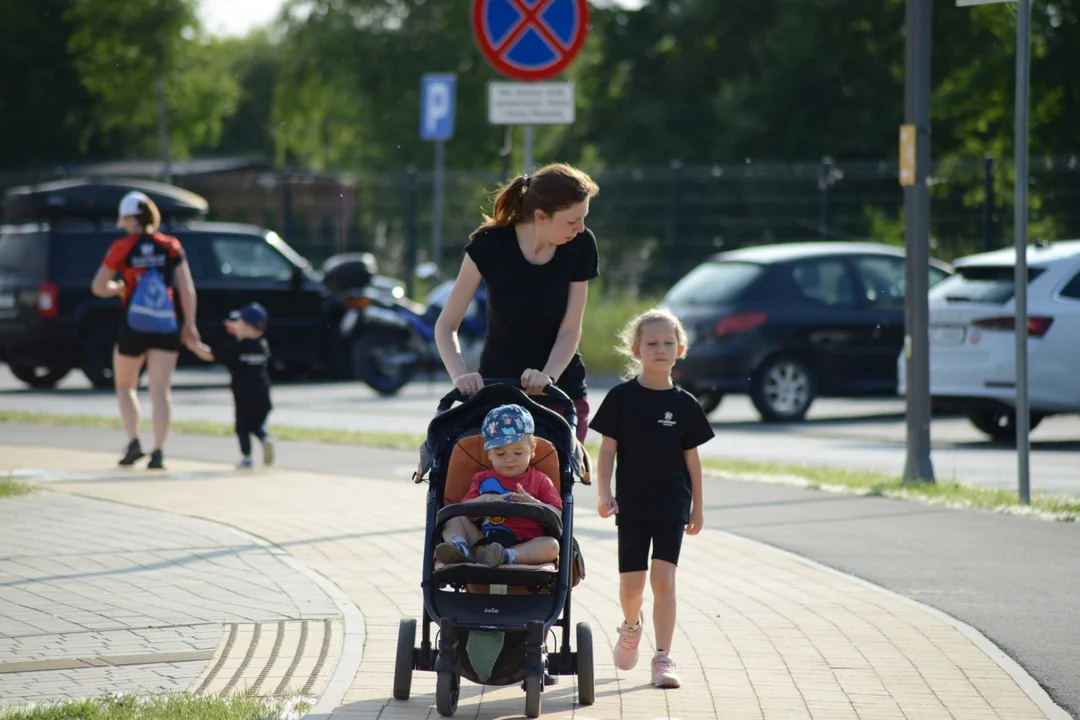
{"points": [[437, 106]]}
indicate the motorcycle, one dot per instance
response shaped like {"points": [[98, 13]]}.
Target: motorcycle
{"points": [[399, 336], [353, 283]]}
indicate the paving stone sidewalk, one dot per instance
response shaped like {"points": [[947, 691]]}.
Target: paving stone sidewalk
{"points": [[762, 634], [97, 596]]}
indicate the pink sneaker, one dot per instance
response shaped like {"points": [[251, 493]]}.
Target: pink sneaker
{"points": [[663, 671], [626, 649]]}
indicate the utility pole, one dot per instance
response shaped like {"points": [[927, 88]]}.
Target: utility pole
{"points": [[915, 150]]}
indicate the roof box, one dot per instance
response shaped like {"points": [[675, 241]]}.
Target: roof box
{"points": [[97, 199]]}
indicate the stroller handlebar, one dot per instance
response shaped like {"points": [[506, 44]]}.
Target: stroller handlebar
{"points": [[551, 391]]}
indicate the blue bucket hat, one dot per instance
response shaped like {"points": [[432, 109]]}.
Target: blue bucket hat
{"points": [[255, 315], [506, 425]]}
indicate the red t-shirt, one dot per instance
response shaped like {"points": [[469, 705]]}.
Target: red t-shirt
{"points": [[134, 255], [535, 483]]}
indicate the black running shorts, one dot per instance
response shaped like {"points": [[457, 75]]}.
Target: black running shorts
{"points": [[635, 538], [132, 343]]}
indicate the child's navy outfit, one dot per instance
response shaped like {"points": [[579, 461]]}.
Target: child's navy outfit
{"points": [[248, 362], [653, 429]]}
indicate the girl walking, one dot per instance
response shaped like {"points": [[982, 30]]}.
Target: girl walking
{"points": [[651, 430]]}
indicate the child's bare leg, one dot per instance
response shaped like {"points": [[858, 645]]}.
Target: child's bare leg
{"points": [[632, 595], [537, 551], [662, 579], [461, 527]]}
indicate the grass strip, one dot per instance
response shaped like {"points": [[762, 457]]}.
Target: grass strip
{"points": [[10, 487], [161, 707], [1046, 506]]}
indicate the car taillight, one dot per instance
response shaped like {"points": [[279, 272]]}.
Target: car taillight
{"points": [[739, 323], [1037, 325], [48, 301]]}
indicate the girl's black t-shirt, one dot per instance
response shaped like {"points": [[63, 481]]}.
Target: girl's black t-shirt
{"points": [[653, 429], [526, 303]]}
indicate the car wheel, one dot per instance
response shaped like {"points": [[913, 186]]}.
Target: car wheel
{"points": [[97, 357], [39, 376], [1000, 425], [783, 388], [709, 400]]}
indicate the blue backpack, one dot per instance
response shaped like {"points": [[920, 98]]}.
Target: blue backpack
{"points": [[150, 309]]}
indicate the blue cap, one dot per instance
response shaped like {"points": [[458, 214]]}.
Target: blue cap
{"points": [[255, 315], [506, 425]]}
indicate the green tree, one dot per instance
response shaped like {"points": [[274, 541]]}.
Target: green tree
{"points": [[120, 49], [253, 61], [41, 100]]}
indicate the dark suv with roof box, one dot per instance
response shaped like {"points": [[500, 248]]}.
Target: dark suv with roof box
{"points": [[55, 238]]}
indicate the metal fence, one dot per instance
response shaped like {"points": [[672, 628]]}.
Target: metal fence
{"points": [[653, 224]]}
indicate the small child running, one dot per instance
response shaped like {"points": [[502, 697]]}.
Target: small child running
{"points": [[651, 430], [247, 355], [510, 444]]}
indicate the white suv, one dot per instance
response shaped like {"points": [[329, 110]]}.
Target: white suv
{"points": [[972, 344]]}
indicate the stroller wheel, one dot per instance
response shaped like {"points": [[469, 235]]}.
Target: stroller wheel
{"points": [[405, 661], [533, 686], [447, 687], [586, 679]]}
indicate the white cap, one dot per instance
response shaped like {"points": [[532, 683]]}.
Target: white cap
{"points": [[129, 205]]}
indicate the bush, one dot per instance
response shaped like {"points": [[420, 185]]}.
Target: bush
{"points": [[605, 317]]}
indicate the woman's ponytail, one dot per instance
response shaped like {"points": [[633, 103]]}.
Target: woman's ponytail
{"points": [[551, 189], [509, 205]]}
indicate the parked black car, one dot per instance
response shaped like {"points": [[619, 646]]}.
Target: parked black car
{"points": [[56, 239], [789, 323]]}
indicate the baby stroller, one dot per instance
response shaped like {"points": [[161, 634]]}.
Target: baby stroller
{"points": [[493, 623]]}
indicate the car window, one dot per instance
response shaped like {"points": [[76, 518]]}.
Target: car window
{"points": [[23, 253], [884, 279], [989, 284], [823, 281], [1071, 291], [714, 283], [937, 275], [248, 258]]}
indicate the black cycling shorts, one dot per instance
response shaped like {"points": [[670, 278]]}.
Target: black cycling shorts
{"points": [[132, 343], [635, 538]]}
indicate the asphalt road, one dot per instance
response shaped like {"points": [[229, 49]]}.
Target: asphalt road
{"points": [[856, 434], [1015, 579]]}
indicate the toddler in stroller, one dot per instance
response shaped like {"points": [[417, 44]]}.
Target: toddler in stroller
{"points": [[510, 444], [493, 617]]}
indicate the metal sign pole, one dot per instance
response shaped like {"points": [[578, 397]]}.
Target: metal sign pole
{"points": [[437, 204], [1020, 232], [528, 143]]}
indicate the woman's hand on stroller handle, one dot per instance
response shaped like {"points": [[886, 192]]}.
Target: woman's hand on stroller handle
{"points": [[469, 383], [533, 381]]}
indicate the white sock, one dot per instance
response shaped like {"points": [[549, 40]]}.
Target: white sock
{"points": [[511, 556]]}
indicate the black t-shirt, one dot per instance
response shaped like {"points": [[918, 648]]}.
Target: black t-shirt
{"points": [[653, 429], [248, 361], [526, 303]]}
